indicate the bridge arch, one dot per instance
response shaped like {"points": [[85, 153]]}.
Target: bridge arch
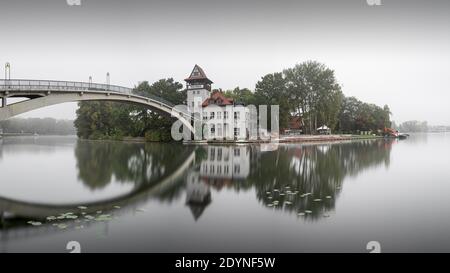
{"points": [[46, 93]]}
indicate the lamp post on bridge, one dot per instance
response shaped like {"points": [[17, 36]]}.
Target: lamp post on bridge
{"points": [[7, 71], [90, 81], [108, 80], [7, 78]]}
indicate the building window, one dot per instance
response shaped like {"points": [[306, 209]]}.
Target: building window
{"points": [[212, 154], [205, 116], [211, 115], [236, 132], [236, 115], [219, 154], [213, 130], [225, 115], [226, 156], [237, 169], [219, 130], [237, 152], [219, 115], [225, 169], [225, 129]]}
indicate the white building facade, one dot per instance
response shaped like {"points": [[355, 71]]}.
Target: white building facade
{"points": [[222, 118]]}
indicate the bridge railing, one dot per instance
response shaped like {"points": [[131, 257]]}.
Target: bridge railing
{"points": [[38, 85]]}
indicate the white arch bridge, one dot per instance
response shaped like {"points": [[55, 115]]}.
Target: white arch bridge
{"points": [[43, 93]]}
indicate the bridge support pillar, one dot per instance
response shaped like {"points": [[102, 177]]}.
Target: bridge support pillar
{"points": [[3, 103]]}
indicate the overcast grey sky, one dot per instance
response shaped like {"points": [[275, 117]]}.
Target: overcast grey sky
{"points": [[396, 54]]}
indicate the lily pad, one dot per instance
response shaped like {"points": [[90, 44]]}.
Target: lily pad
{"points": [[301, 214], [82, 207], [308, 211], [117, 207], [62, 226], [317, 200], [103, 217], [51, 218]]}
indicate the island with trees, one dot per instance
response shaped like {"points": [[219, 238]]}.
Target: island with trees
{"points": [[308, 91]]}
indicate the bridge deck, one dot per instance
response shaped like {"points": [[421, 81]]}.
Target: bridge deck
{"points": [[25, 85]]}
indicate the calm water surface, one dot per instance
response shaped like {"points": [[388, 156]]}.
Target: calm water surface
{"points": [[177, 198]]}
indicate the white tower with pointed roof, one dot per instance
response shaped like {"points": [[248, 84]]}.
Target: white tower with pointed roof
{"points": [[198, 89]]}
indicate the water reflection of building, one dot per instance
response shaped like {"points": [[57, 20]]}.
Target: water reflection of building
{"points": [[198, 194], [225, 163], [220, 166]]}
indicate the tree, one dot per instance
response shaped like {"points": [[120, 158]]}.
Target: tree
{"points": [[245, 96], [314, 93], [356, 115], [271, 90]]}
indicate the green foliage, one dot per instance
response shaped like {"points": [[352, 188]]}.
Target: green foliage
{"points": [[309, 89], [271, 90], [356, 115], [314, 94], [245, 96], [116, 120]]}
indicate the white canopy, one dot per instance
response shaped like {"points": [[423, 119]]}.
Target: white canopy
{"points": [[323, 128]]}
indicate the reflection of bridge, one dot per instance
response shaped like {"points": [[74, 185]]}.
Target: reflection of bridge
{"points": [[131, 200], [42, 93]]}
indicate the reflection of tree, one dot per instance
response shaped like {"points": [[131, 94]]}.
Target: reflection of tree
{"points": [[142, 164], [296, 176]]}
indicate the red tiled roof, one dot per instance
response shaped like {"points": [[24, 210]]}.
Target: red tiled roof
{"points": [[217, 98], [197, 74]]}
